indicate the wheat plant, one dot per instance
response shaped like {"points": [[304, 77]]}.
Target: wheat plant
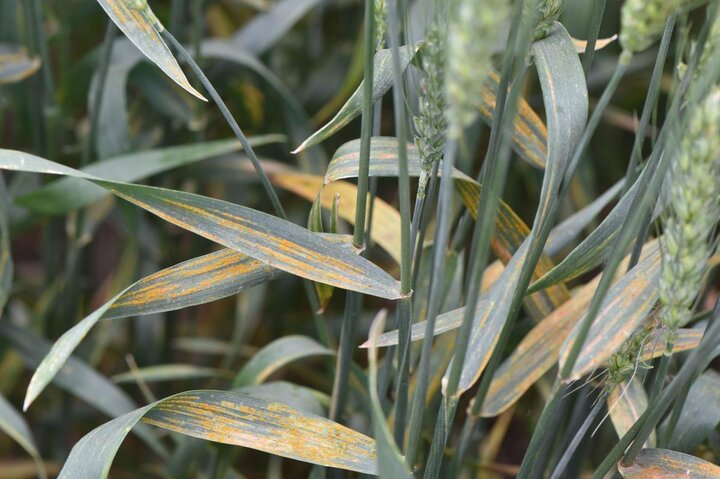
{"points": [[504, 268]]}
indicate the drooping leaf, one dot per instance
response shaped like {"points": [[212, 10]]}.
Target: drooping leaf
{"points": [[170, 372], [230, 418], [382, 81], [656, 463], [391, 463], [273, 241], [565, 97], [276, 355], [200, 280], [626, 403], [700, 415], [67, 194], [14, 425], [79, 379], [141, 28], [624, 308], [266, 28]]}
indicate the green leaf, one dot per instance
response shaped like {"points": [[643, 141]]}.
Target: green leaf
{"points": [[141, 28], [626, 403], [273, 241], [67, 194], [625, 306], [391, 463], [170, 372], [656, 463], [382, 81], [266, 28], [276, 355], [229, 418], [700, 415], [565, 97], [79, 379], [14, 425]]}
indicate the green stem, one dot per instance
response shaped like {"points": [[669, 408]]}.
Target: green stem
{"points": [[353, 300], [442, 236], [405, 305]]}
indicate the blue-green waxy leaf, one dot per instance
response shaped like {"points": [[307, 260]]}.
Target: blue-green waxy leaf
{"points": [[14, 425], [700, 415], [275, 355], [229, 418], [566, 106], [67, 194], [266, 28], [170, 372], [382, 81], [391, 463], [663, 463], [141, 28]]}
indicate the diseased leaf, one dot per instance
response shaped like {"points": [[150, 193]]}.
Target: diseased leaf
{"points": [[14, 425], [141, 28], [382, 81], [624, 308], [626, 403], [15, 64], [391, 463], [276, 355], [170, 372], [299, 397], [273, 241], [67, 194], [657, 463], [700, 415], [581, 45], [201, 280], [229, 418]]}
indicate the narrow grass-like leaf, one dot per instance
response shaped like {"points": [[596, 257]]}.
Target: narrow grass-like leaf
{"points": [[382, 81], [229, 418], [656, 463], [568, 229], [142, 32], [276, 355], [67, 194], [700, 415], [15, 64], [266, 28], [170, 372], [621, 312], [79, 379], [273, 241], [626, 404], [14, 425], [391, 463], [566, 108]]}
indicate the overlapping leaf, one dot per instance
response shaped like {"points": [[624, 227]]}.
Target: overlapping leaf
{"points": [[229, 418], [142, 32]]}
